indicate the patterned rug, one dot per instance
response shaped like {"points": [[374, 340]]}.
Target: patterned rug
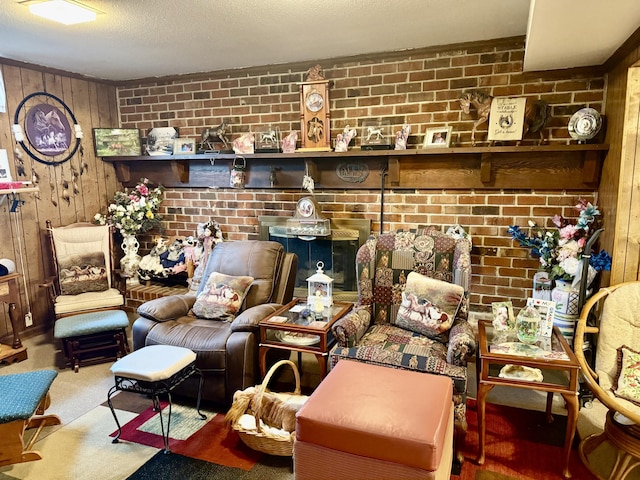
{"points": [[520, 445]]}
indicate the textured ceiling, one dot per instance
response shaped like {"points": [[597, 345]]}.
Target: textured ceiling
{"points": [[148, 38]]}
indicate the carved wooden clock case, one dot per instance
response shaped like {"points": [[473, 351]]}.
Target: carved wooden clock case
{"points": [[314, 115]]}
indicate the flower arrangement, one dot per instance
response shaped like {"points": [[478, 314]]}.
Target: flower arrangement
{"points": [[134, 211], [560, 250]]}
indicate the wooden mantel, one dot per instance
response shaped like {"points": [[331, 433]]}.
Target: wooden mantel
{"points": [[566, 167]]}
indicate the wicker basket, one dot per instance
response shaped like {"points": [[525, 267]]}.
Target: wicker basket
{"points": [[260, 439]]}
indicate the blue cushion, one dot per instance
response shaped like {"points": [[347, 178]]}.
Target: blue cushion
{"points": [[87, 323], [20, 393]]}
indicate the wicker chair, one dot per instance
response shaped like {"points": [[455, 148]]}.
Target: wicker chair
{"points": [[612, 319]]}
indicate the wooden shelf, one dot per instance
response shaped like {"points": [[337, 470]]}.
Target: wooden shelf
{"points": [[570, 167]]}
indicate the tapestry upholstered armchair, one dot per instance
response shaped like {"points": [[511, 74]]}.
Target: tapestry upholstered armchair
{"points": [[426, 269]]}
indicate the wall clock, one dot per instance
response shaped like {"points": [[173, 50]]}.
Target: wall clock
{"points": [[314, 112], [51, 132]]}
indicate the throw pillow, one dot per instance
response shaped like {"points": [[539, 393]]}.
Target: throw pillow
{"points": [[428, 306], [83, 273], [222, 296], [627, 379]]}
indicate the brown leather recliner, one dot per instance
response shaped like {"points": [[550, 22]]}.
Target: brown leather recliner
{"points": [[227, 351]]}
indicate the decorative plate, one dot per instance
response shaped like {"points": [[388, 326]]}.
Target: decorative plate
{"points": [[294, 338], [585, 124]]}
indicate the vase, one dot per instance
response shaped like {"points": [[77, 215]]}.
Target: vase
{"points": [[566, 297], [565, 316], [528, 325], [129, 263]]}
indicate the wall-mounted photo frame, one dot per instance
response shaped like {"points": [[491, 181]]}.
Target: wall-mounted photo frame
{"points": [[184, 146], [117, 142], [437, 137], [503, 318]]}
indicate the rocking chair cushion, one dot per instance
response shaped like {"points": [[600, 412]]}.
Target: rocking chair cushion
{"points": [[89, 300], [21, 393], [627, 379]]}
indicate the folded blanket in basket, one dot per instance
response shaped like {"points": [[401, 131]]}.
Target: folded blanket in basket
{"points": [[274, 409]]}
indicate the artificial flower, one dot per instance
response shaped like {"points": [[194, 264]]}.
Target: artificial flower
{"points": [[134, 211], [560, 251]]}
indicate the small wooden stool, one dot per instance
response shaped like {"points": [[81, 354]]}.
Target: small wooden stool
{"points": [[155, 370], [23, 399], [367, 421]]}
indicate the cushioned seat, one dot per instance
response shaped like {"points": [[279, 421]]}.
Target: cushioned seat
{"points": [[87, 301], [22, 397], [365, 421], [155, 370], [87, 323]]}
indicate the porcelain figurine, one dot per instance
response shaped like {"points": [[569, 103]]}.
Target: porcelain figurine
{"points": [[244, 143], [289, 142], [402, 136], [343, 139]]}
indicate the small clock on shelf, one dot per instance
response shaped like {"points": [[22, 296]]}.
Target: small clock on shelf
{"points": [[314, 112]]}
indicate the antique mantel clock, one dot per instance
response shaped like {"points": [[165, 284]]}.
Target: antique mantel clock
{"points": [[314, 111]]}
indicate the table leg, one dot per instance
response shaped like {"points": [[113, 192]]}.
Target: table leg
{"points": [[549, 406], [571, 400], [322, 362], [483, 390], [17, 343], [262, 358]]}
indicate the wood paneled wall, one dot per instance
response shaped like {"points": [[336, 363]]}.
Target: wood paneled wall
{"points": [[22, 236]]}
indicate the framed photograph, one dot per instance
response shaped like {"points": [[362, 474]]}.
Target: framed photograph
{"points": [[437, 137], [117, 142], [184, 146], [503, 318], [160, 140], [545, 309]]}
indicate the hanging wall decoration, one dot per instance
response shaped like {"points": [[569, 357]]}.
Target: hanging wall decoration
{"points": [[52, 132], [47, 130]]}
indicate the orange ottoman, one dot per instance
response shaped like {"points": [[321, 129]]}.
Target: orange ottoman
{"points": [[365, 421]]}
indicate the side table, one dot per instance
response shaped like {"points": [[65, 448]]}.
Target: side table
{"points": [[288, 328], [552, 356], [10, 294]]}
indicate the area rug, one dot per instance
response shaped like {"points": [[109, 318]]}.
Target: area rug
{"points": [[209, 440], [519, 444], [172, 466]]}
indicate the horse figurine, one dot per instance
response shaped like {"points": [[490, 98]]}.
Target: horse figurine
{"points": [[536, 113], [209, 135], [481, 101]]}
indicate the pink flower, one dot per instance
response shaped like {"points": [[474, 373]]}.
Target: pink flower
{"points": [[568, 232], [558, 221], [144, 191]]}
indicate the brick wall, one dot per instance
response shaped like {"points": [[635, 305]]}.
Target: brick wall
{"points": [[420, 88]]}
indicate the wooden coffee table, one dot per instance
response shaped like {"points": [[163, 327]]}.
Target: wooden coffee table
{"points": [[289, 329], [552, 356]]}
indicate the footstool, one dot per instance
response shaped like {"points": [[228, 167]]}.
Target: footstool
{"points": [[155, 370], [367, 421], [98, 336], [23, 399]]}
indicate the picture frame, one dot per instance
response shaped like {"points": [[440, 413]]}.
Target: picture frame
{"points": [[503, 317], [545, 308], [5, 171], [184, 146], [160, 140], [117, 142], [438, 137]]}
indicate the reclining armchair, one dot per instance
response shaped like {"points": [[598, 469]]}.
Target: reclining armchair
{"points": [[242, 283], [379, 331]]}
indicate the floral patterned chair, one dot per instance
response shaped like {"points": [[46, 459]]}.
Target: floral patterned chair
{"points": [[372, 333]]}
